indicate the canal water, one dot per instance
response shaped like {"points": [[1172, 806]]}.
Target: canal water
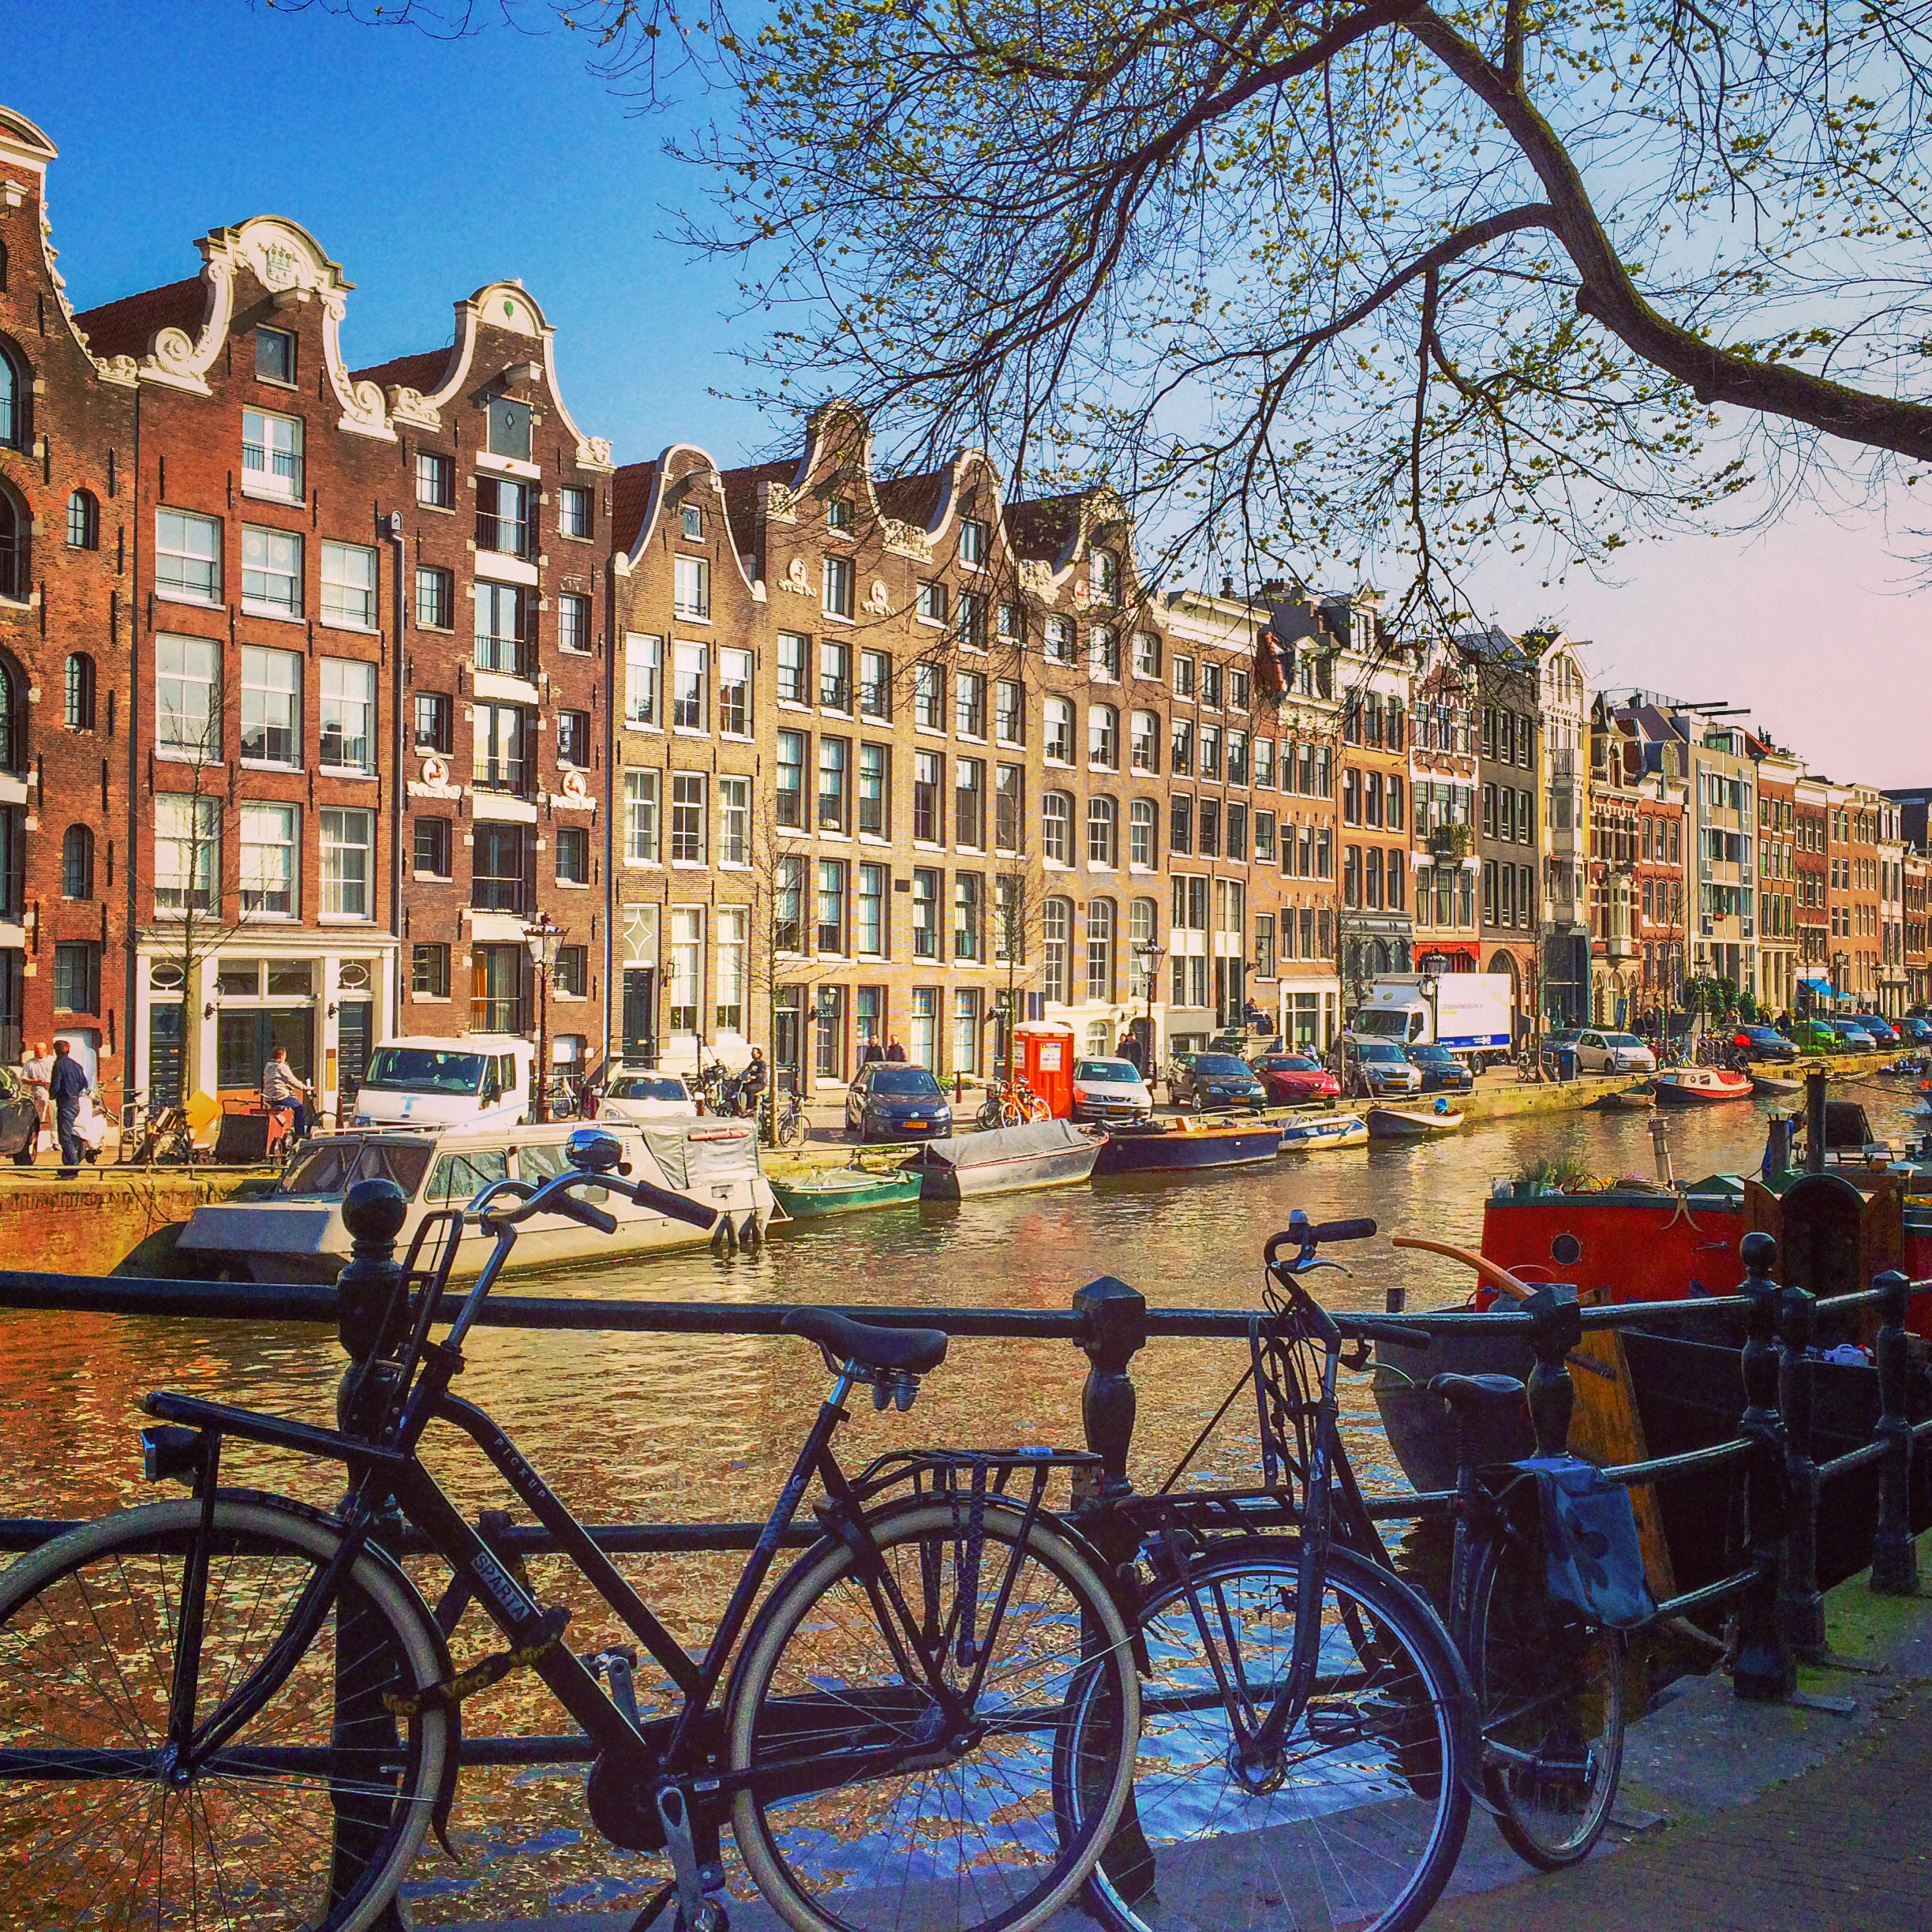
{"points": [[641, 1427]]}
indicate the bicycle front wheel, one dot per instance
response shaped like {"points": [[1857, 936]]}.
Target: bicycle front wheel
{"points": [[1353, 1823], [869, 1808], [307, 1818], [1550, 1688]]}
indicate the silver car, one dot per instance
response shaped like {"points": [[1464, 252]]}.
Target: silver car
{"points": [[1377, 1068], [1110, 1090], [1613, 1053]]}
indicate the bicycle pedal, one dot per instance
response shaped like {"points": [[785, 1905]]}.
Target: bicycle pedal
{"points": [[618, 1667]]}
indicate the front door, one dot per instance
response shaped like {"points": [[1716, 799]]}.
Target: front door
{"points": [[640, 1016], [352, 1044]]}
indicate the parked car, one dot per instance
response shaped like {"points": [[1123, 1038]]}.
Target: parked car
{"points": [[1291, 1078], [638, 1095], [1878, 1026], [1814, 1036], [1442, 1071], [1377, 1068], [1211, 1083], [1599, 1052], [892, 1102], [1110, 1090], [1851, 1037], [1764, 1042], [1919, 1031]]}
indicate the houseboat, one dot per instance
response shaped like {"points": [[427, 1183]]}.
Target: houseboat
{"points": [[1005, 1160], [1186, 1144]]}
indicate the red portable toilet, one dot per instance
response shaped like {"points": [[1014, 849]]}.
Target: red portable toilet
{"points": [[1045, 1061]]}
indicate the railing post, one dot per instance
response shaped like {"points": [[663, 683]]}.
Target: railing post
{"points": [[1115, 1316], [1895, 1556], [369, 1306], [1801, 1602], [1762, 1670], [1555, 1328]]}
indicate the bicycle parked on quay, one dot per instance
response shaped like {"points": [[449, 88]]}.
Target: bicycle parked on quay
{"points": [[233, 1710], [1013, 1105], [1312, 1733]]}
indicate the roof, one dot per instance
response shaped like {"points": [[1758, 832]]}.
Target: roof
{"points": [[744, 495], [913, 499], [631, 495], [423, 372], [129, 327], [1043, 527]]}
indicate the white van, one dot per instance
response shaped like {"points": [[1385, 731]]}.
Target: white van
{"points": [[476, 1079]]}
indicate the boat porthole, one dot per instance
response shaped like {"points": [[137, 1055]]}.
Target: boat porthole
{"points": [[1567, 1250]]}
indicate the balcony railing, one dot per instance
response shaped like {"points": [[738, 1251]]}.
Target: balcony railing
{"points": [[510, 776], [500, 895], [496, 1016]]}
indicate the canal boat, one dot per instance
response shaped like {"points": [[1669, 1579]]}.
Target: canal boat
{"points": [[1317, 1133], [295, 1232], [1787, 1086], [1699, 1085], [1004, 1160], [1413, 1123], [1188, 1145], [841, 1190]]}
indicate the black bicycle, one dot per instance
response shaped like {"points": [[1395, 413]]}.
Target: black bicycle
{"points": [[231, 1710]]}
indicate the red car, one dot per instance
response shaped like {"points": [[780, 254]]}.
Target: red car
{"points": [[1290, 1077]]}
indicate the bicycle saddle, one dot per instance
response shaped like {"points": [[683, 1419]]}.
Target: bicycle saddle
{"points": [[1494, 1394], [910, 1351]]}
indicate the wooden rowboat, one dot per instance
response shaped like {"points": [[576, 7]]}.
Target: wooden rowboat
{"points": [[1629, 1098], [1317, 1133], [1775, 1083], [1411, 1123], [842, 1190]]}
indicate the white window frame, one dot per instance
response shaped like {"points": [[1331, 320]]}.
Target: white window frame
{"points": [[348, 687], [278, 477], [736, 673], [257, 882], [172, 529], [689, 687], [187, 832], [259, 694], [690, 594], [266, 543], [349, 586], [643, 676], [734, 820], [689, 800], [339, 826], [642, 793], [182, 665], [576, 508], [574, 622]]}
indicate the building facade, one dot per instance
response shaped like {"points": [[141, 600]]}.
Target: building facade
{"points": [[1443, 859], [1562, 737], [1778, 773], [1510, 900]]}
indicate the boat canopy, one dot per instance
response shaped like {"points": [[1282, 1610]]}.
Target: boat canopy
{"points": [[1003, 1143]]}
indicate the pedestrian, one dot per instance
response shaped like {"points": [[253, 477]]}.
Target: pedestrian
{"points": [[37, 1070], [894, 1051], [1129, 1051], [67, 1084], [282, 1087], [873, 1053]]}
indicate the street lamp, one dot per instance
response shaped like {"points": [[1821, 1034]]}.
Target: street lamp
{"points": [[1151, 951], [541, 935]]}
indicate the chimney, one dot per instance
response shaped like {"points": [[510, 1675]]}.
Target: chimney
{"points": [[1227, 586]]}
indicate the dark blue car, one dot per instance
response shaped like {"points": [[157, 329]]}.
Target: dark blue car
{"points": [[1442, 1072], [892, 1102], [1212, 1083]]}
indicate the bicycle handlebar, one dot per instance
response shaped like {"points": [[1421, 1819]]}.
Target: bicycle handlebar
{"points": [[553, 1197], [1308, 1236]]}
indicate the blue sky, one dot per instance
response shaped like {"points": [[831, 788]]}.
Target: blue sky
{"points": [[427, 168]]}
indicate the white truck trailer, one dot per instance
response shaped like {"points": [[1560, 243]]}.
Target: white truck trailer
{"points": [[1467, 1013]]}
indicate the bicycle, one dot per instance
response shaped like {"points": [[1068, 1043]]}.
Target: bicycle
{"points": [[782, 1121], [171, 1675], [1014, 1105]]}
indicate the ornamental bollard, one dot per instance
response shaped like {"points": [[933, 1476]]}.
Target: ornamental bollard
{"points": [[1115, 1316], [1762, 1671], [1555, 1328], [1801, 1602], [1895, 1555]]}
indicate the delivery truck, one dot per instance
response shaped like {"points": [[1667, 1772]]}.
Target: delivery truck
{"points": [[1467, 1013]]}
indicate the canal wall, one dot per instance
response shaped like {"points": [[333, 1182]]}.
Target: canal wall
{"points": [[88, 1226]]}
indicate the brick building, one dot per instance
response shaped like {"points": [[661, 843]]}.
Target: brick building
{"points": [[1442, 785], [1812, 869], [1506, 815], [1917, 871], [1616, 827], [1852, 859], [1778, 773]]}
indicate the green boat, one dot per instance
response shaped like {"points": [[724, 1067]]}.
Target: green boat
{"points": [[842, 1190]]}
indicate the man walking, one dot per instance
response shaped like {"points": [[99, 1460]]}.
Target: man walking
{"points": [[37, 1070], [894, 1052], [67, 1085], [282, 1087]]}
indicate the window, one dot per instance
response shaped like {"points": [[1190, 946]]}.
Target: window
{"points": [[1010, 624], [869, 906], [834, 674], [429, 971], [76, 976], [503, 517], [1181, 826], [435, 480], [833, 754], [1184, 677], [640, 825], [1140, 945], [789, 807], [972, 541], [188, 556], [734, 820], [1103, 577], [1208, 834], [925, 914], [1100, 950], [271, 720], [688, 708], [932, 602], [1059, 715], [1264, 838], [1211, 750], [1057, 828], [1056, 928], [969, 719], [432, 847], [1102, 833], [1144, 741], [498, 878], [687, 818], [642, 658], [13, 390], [349, 715], [1103, 655], [838, 513], [875, 684], [1009, 808], [1237, 757], [686, 967], [570, 975], [574, 511], [187, 715], [875, 786], [1238, 689], [690, 594], [838, 586], [79, 692], [349, 587], [1058, 640], [77, 864], [272, 566], [928, 775], [432, 730], [187, 844], [1141, 833], [1211, 686], [504, 743], [275, 355], [1103, 737], [1008, 713], [968, 802], [1146, 654], [735, 692], [966, 901], [971, 628], [271, 455], [1180, 759], [574, 624], [1009, 920], [830, 922], [436, 597], [348, 854], [1265, 763], [269, 861], [734, 923], [928, 697], [83, 521], [573, 736], [690, 521], [507, 427], [792, 651]]}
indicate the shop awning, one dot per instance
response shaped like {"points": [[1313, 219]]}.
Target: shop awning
{"points": [[1820, 985]]}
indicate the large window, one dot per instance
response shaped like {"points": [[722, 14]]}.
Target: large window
{"points": [[79, 692], [1056, 936], [433, 730], [1100, 950], [926, 913], [690, 593], [574, 512], [928, 777], [1009, 712], [573, 623], [875, 684], [735, 692], [499, 871], [1141, 833], [788, 905], [838, 586], [928, 697], [272, 572], [348, 862], [833, 756], [187, 846], [687, 818], [573, 739], [967, 902], [733, 925], [734, 831], [831, 919], [869, 906], [789, 788], [969, 802], [271, 706], [686, 989], [1059, 731], [187, 705], [432, 846], [435, 480], [1102, 833], [1057, 828], [13, 393], [429, 971], [188, 556], [436, 597], [640, 828], [643, 657], [349, 715], [76, 976], [271, 455], [269, 870], [835, 674], [793, 652], [349, 587], [688, 708], [504, 741], [573, 855], [1144, 737], [965, 1031], [969, 719], [505, 615], [1103, 737], [1009, 807], [83, 521], [875, 789], [503, 517]]}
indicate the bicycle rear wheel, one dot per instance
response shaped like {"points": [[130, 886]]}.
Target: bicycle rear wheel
{"points": [[993, 1827], [1355, 1824], [1550, 1688], [306, 1821]]}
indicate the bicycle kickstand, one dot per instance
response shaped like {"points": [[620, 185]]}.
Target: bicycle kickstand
{"points": [[697, 1909]]}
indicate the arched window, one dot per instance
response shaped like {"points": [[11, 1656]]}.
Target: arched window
{"points": [[1103, 832], [1056, 932], [12, 718], [1057, 828], [1100, 950], [1103, 577], [83, 521], [14, 388], [1103, 736], [1144, 737], [15, 557], [77, 864], [80, 692], [1059, 716], [1141, 948]]}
